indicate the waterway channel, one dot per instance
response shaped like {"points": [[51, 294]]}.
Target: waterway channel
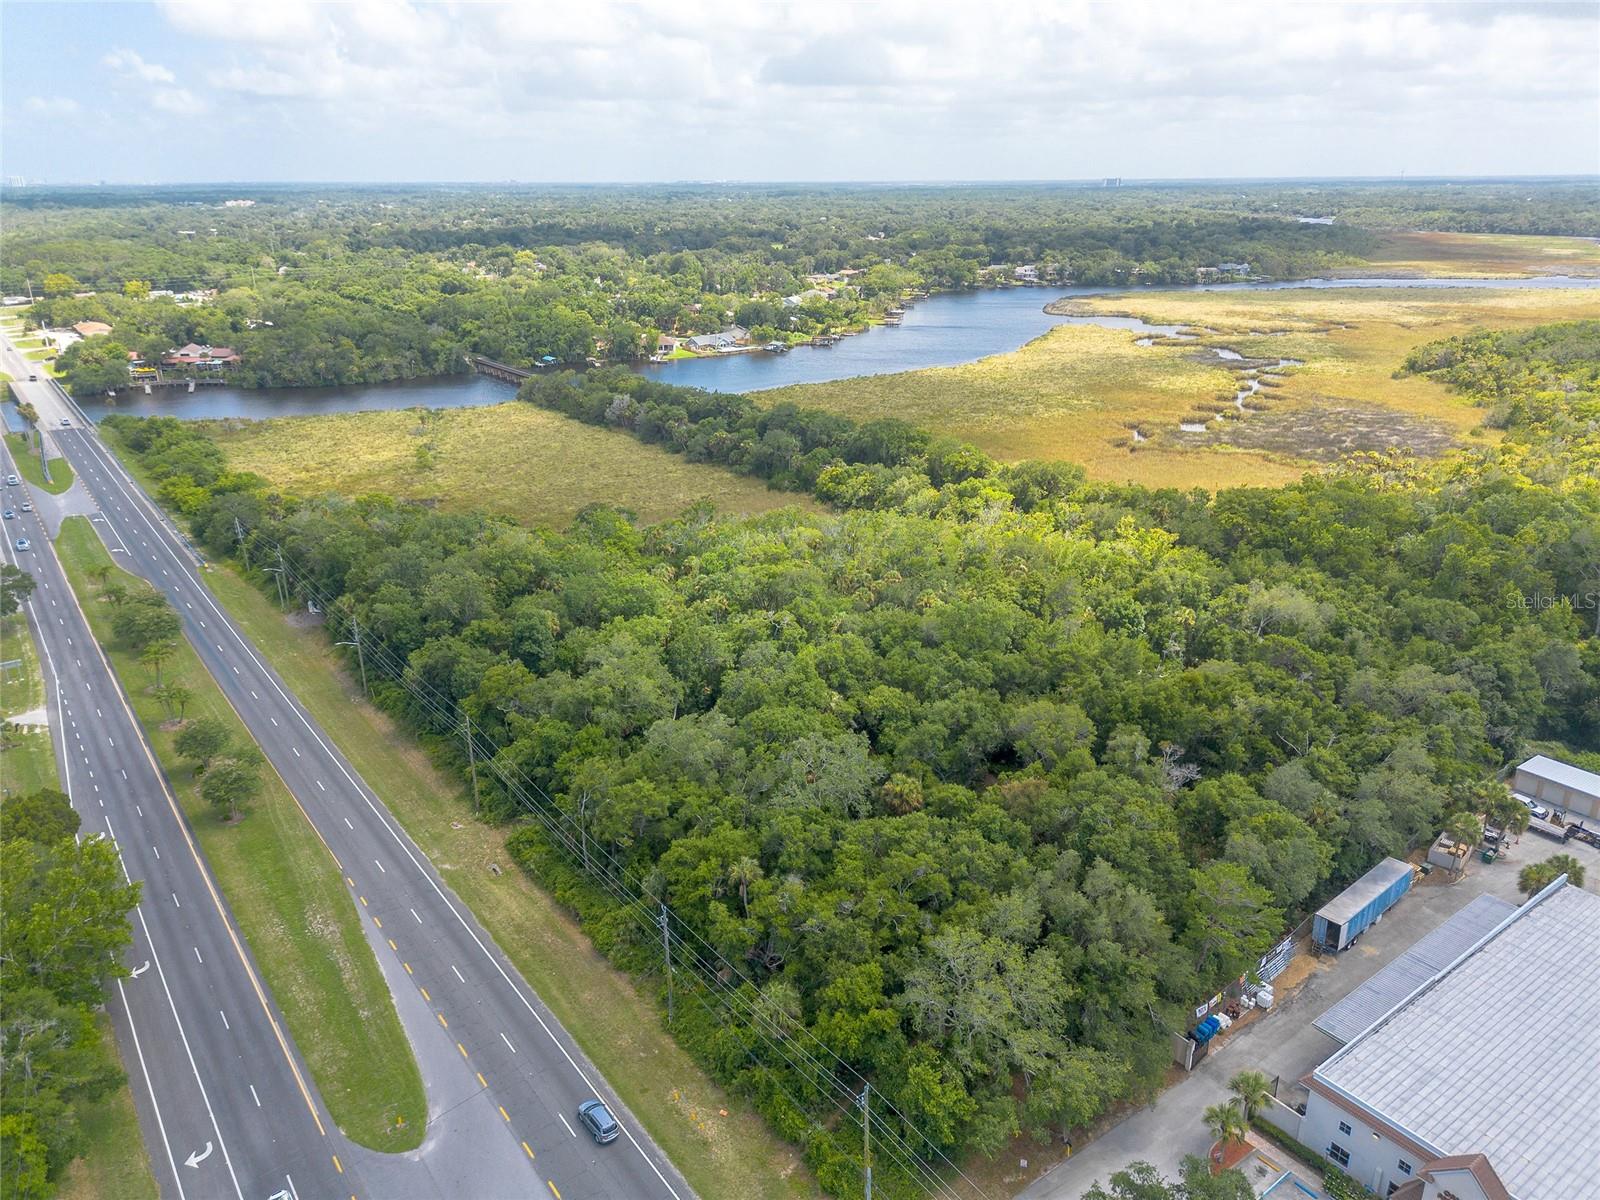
{"points": [[942, 330]]}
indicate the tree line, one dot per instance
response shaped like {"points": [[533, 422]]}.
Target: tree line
{"points": [[985, 777]]}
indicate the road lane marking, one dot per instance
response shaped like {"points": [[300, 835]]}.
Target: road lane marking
{"points": [[157, 849], [428, 998], [338, 1164], [347, 824], [224, 1017], [530, 1152], [376, 920], [554, 1191], [363, 900], [414, 914], [569, 1127], [319, 785], [381, 867], [176, 901], [507, 1041], [458, 973], [170, 544], [253, 1095], [296, 750], [393, 947], [198, 959], [274, 721], [461, 1048], [482, 1082], [442, 1021], [504, 1113], [407, 966]]}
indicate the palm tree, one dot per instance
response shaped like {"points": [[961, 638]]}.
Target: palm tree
{"points": [[1514, 819], [1565, 864], [155, 654], [1225, 1122], [743, 873], [1251, 1090], [1535, 877]]}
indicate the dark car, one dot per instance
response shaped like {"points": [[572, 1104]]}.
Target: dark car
{"points": [[597, 1119]]}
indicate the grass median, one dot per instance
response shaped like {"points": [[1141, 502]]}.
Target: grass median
{"points": [[284, 891], [27, 758], [28, 466], [722, 1147]]}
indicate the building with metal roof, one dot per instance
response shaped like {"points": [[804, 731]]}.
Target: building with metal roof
{"points": [[1482, 1082], [1377, 997], [1563, 786]]}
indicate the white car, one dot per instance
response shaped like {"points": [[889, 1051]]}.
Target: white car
{"points": [[24, 544], [66, 422]]}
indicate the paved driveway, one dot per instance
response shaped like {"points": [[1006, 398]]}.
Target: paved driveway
{"points": [[1283, 1043]]}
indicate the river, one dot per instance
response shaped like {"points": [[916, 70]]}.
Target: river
{"points": [[940, 331]]}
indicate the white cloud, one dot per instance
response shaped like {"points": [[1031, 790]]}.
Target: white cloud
{"points": [[130, 65], [52, 106], [895, 88]]}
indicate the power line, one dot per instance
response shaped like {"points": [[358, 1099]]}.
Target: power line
{"points": [[626, 889]]}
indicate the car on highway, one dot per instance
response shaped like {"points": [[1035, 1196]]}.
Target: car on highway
{"points": [[66, 421], [597, 1119], [11, 514], [27, 506], [12, 481], [25, 544], [33, 379]]}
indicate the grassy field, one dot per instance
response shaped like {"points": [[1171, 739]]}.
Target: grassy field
{"points": [[116, 1166], [1483, 254], [1079, 392], [27, 760], [28, 466], [531, 464], [282, 886], [722, 1147]]}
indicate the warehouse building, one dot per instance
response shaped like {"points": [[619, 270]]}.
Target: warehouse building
{"points": [[1561, 786], [1481, 1084]]}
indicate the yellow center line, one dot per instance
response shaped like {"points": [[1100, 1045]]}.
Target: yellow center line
{"points": [[407, 966], [392, 946], [363, 900], [525, 1147], [425, 995], [350, 881], [482, 1082], [376, 921], [461, 1048], [504, 1113], [555, 1191], [442, 1021], [338, 1164]]}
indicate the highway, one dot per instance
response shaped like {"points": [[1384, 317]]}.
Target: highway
{"points": [[503, 1078], [221, 1095]]}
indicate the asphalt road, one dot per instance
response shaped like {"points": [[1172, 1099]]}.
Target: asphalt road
{"points": [[220, 1092], [503, 1078]]}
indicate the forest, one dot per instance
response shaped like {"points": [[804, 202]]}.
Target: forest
{"points": [[975, 784], [63, 917], [362, 285]]}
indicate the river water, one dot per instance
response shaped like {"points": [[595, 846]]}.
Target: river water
{"points": [[940, 331]]}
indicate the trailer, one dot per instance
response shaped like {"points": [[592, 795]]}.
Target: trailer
{"points": [[1348, 915]]}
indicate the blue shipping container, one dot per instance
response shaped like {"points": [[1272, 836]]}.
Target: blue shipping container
{"points": [[1352, 911]]}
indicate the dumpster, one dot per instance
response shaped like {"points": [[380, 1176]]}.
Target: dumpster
{"points": [[1487, 855]]}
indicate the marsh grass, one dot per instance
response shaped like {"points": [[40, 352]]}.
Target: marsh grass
{"points": [[536, 466]]}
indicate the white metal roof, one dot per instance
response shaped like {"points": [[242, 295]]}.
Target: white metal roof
{"points": [[1496, 1055], [1565, 774], [1360, 893], [1376, 998]]}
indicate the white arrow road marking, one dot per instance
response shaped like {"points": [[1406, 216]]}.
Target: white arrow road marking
{"points": [[138, 971], [194, 1160]]}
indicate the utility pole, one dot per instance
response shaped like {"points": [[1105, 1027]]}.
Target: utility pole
{"points": [[277, 575], [666, 949], [866, 1134], [472, 756], [238, 536], [361, 658]]}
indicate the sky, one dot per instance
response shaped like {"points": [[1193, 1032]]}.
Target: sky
{"points": [[595, 90]]}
